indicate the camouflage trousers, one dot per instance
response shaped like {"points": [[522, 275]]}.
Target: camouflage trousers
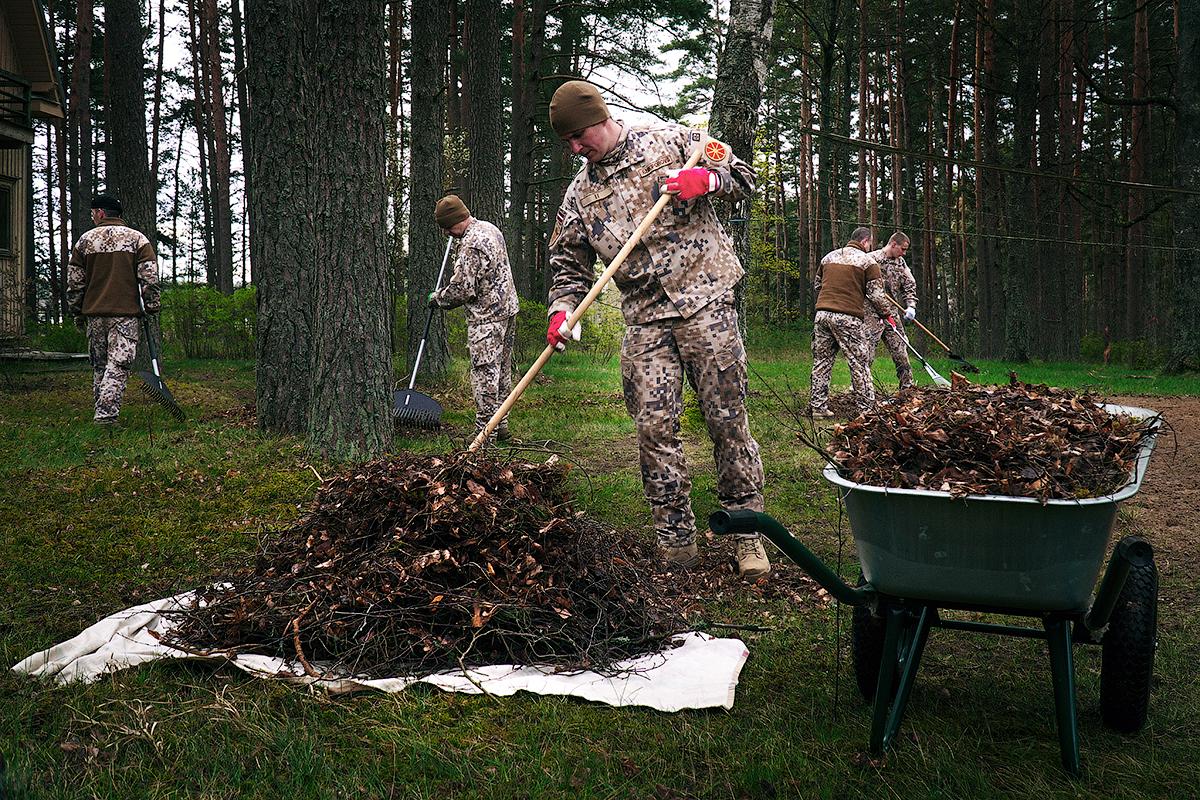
{"points": [[112, 345], [490, 345], [655, 358], [832, 332], [894, 341]]}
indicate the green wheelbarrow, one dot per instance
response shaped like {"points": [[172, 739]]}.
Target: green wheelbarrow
{"points": [[923, 551]]}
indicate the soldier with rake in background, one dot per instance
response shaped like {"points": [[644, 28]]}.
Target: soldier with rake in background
{"points": [[483, 282], [109, 266], [898, 281]]}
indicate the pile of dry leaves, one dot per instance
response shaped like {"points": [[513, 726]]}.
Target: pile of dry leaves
{"points": [[1020, 440], [418, 563]]}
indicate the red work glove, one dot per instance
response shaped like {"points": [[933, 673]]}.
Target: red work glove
{"points": [[691, 183], [557, 334], [890, 321]]}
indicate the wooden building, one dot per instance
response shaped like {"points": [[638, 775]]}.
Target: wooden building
{"points": [[30, 89]]}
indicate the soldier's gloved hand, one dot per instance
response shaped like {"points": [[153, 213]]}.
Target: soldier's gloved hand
{"points": [[432, 300], [910, 314], [691, 183], [891, 321], [557, 333], [80, 322]]}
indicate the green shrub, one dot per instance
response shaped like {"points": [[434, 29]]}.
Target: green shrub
{"points": [[57, 337], [200, 322]]}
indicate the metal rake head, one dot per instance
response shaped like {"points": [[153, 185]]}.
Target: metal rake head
{"points": [[412, 409], [154, 388]]}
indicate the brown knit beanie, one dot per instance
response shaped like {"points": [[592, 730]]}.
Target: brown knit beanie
{"points": [[450, 211], [576, 105]]}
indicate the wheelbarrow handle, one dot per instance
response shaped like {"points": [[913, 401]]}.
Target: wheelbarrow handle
{"points": [[743, 521]]}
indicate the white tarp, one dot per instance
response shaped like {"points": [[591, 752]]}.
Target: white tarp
{"points": [[702, 672]]}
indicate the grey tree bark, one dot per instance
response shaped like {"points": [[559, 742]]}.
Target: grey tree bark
{"points": [[351, 355], [430, 40], [278, 38]]}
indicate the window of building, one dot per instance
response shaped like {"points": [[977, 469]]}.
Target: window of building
{"points": [[6, 217]]}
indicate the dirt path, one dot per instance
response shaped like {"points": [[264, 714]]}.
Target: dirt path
{"points": [[1167, 509]]}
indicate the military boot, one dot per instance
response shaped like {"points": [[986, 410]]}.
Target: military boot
{"points": [[685, 555], [752, 558], [821, 413]]}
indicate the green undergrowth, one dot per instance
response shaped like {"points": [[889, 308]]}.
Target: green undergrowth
{"points": [[95, 520]]}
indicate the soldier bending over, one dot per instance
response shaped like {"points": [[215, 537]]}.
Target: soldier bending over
{"points": [[676, 297]]}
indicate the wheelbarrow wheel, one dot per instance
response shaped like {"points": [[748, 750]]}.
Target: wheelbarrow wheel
{"points": [[1127, 665], [866, 645]]}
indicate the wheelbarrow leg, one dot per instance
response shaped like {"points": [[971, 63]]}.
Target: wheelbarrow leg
{"points": [[916, 636], [1062, 670], [902, 632]]}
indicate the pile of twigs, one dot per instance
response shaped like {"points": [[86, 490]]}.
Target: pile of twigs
{"points": [[419, 563], [1020, 440]]}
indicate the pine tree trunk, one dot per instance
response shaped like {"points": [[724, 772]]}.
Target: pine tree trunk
{"points": [[1185, 352], [1136, 263], [741, 71], [395, 182], [430, 40], [126, 167], [203, 143], [279, 37], [484, 112], [210, 53], [351, 359], [529, 31], [243, 108], [1018, 251], [80, 119], [156, 113]]}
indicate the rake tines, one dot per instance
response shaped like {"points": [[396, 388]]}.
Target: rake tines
{"points": [[412, 409], [154, 388]]}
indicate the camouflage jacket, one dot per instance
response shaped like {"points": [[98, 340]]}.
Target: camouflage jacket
{"points": [[483, 279], [683, 262], [898, 280], [101, 274], [854, 278]]}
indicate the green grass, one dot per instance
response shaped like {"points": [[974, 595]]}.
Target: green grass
{"points": [[97, 520]]}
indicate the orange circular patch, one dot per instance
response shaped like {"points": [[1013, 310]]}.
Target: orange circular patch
{"points": [[715, 151]]}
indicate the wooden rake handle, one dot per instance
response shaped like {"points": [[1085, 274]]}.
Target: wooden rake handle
{"points": [[582, 308], [918, 324]]}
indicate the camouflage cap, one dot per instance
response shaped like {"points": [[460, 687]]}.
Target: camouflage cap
{"points": [[450, 211], [575, 106]]}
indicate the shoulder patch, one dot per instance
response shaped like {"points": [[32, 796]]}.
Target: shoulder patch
{"points": [[716, 154], [559, 218], [599, 194]]}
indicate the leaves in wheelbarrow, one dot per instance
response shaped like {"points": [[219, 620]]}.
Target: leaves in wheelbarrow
{"points": [[419, 563], [1021, 440]]}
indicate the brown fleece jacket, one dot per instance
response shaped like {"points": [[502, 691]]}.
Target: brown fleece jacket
{"points": [[844, 280], [108, 264]]}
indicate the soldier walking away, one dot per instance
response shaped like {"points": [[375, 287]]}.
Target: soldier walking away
{"points": [[483, 282], [109, 265], [847, 278], [676, 297], [899, 283]]}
